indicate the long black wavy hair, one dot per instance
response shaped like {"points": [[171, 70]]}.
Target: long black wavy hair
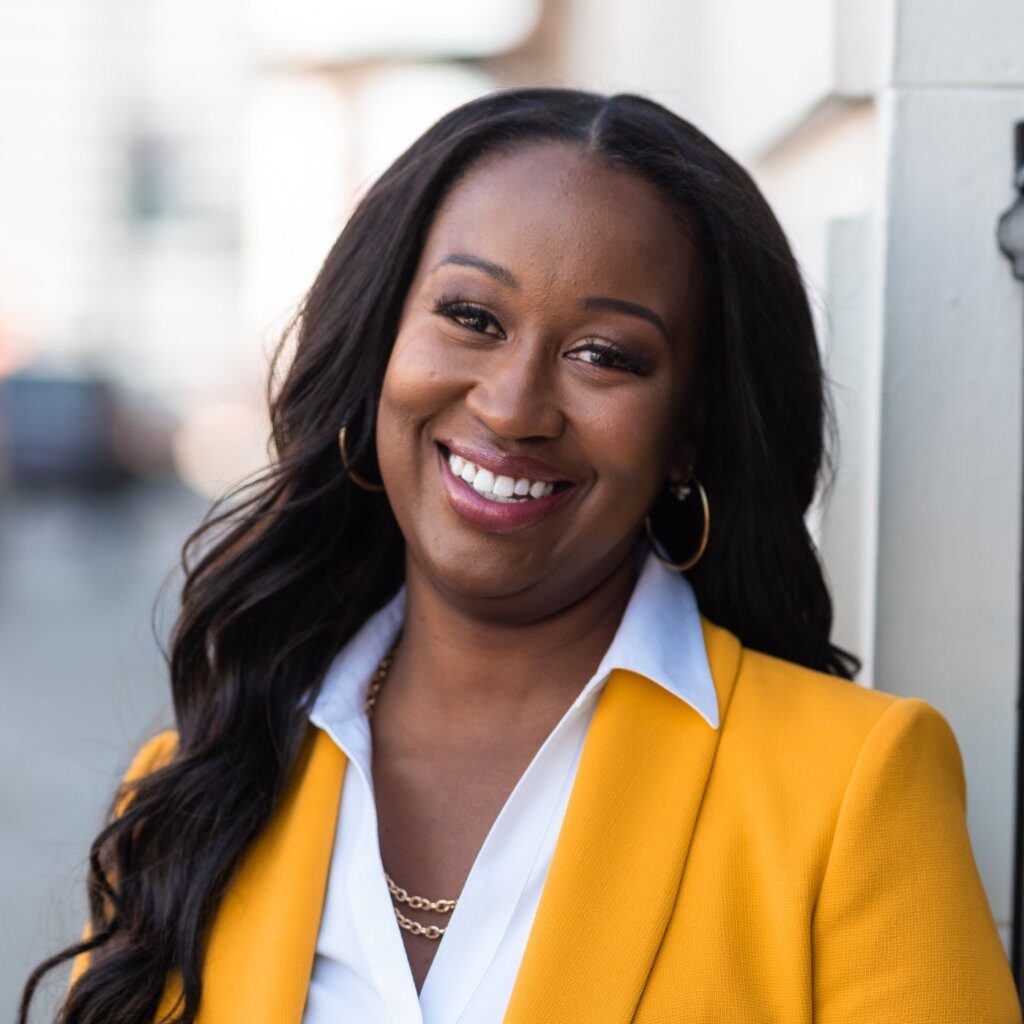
{"points": [[283, 571]]}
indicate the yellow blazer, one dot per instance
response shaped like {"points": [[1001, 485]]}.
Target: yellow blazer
{"points": [[807, 861]]}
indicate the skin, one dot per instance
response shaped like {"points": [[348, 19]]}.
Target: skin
{"points": [[504, 629]]}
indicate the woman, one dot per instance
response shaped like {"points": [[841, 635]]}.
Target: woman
{"points": [[453, 740]]}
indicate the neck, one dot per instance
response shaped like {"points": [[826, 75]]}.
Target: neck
{"points": [[457, 669]]}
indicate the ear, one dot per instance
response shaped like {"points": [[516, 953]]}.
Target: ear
{"points": [[684, 460], [689, 434]]}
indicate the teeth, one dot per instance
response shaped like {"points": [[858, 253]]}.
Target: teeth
{"points": [[483, 481], [500, 489]]}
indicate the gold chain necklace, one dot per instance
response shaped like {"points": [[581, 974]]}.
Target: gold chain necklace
{"points": [[431, 931]]}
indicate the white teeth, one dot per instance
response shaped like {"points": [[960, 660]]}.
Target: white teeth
{"points": [[483, 481], [500, 488]]}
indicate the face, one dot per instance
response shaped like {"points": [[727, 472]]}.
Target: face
{"points": [[538, 394]]}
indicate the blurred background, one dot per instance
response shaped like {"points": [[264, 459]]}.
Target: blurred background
{"points": [[172, 173]]}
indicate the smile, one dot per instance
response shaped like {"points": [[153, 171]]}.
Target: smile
{"points": [[497, 488], [497, 502]]}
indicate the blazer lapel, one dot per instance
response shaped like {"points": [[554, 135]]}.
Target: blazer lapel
{"points": [[260, 951], [619, 860]]}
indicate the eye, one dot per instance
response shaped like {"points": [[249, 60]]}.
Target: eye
{"points": [[605, 356], [465, 314]]}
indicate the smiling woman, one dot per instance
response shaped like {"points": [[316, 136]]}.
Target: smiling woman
{"points": [[541, 344], [456, 739]]}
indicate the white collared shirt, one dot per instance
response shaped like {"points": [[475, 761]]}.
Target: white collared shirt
{"points": [[360, 971]]}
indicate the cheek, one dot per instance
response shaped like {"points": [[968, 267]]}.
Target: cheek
{"points": [[418, 383], [627, 440], [412, 372]]}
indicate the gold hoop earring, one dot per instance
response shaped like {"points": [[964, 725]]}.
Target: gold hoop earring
{"points": [[352, 474], [681, 492]]}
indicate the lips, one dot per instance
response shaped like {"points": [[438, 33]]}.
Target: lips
{"points": [[497, 492], [503, 464]]}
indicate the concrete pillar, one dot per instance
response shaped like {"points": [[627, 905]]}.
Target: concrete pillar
{"points": [[949, 512]]}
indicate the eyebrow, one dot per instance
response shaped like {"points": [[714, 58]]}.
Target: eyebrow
{"points": [[629, 308], [505, 276], [495, 270]]}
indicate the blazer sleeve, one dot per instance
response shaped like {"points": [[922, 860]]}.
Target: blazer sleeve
{"points": [[902, 931], [153, 754]]}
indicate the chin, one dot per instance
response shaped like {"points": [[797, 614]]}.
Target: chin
{"points": [[485, 572]]}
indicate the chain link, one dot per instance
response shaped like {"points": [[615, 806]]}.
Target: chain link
{"points": [[431, 931], [419, 902]]}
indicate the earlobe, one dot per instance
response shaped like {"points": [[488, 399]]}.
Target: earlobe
{"points": [[683, 462], [684, 467]]}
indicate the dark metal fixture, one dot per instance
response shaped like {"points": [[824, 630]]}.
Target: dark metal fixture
{"points": [[1011, 223], [1011, 241]]}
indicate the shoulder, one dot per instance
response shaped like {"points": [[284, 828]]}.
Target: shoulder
{"points": [[811, 731], [153, 754], [842, 810], [799, 700], [798, 697]]}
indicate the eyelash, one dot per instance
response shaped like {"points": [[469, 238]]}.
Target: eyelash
{"points": [[454, 306]]}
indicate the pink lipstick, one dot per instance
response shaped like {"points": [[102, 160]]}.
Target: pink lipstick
{"points": [[502, 512]]}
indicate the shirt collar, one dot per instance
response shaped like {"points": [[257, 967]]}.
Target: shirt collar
{"points": [[659, 637]]}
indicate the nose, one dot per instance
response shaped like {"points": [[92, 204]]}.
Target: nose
{"points": [[516, 394]]}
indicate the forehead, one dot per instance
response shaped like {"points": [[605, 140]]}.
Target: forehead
{"points": [[559, 218]]}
